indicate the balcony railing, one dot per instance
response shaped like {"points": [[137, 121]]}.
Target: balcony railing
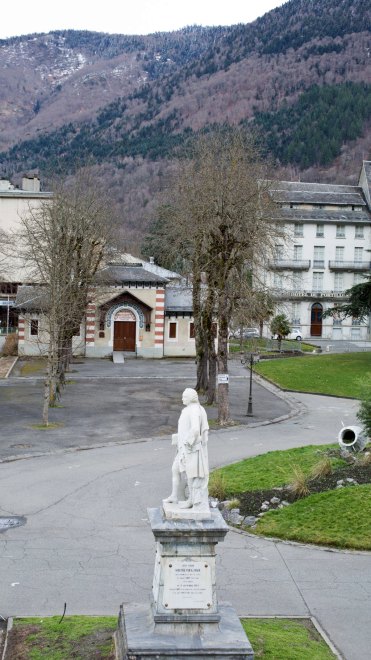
{"points": [[318, 263], [290, 264], [307, 294], [349, 265]]}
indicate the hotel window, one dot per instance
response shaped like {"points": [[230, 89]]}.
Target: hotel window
{"points": [[297, 281], [358, 254], [277, 281], [34, 327], [191, 330], [319, 256], [359, 231], [278, 252], [298, 252], [358, 278], [317, 281], [338, 282], [295, 315], [339, 254], [320, 230], [298, 229], [340, 231], [173, 328]]}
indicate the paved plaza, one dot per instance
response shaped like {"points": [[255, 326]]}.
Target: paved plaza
{"points": [[112, 403], [87, 541]]}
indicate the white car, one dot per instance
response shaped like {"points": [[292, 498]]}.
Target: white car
{"points": [[247, 333], [294, 334]]}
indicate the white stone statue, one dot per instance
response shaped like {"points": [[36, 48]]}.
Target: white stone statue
{"points": [[191, 463]]}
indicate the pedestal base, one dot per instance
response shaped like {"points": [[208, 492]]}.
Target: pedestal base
{"points": [[174, 512], [138, 637]]}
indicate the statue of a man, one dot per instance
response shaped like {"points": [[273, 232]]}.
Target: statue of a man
{"points": [[191, 460]]}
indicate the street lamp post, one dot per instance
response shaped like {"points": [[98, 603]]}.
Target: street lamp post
{"points": [[250, 359]]}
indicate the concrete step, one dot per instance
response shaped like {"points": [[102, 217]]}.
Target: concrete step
{"points": [[118, 357]]}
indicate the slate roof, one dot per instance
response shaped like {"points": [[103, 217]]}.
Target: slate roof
{"points": [[31, 298], [297, 192], [178, 299], [325, 215], [129, 274]]}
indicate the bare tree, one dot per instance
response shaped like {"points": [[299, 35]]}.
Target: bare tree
{"points": [[223, 212], [63, 244]]}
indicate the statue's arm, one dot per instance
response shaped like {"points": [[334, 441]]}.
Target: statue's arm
{"points": [[194, 431]]}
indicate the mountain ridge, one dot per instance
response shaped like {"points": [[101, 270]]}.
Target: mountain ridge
{"points": [[122, 102]]}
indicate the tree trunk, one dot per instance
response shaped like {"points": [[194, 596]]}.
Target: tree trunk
{"points": [[200, 339], [210, 337], [202, 363], [211, 390], [223, 388]]}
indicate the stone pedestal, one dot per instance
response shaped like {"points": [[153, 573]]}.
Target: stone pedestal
{"points": [[184, 619]]}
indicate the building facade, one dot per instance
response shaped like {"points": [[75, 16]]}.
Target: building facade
{"points": [[14, 204], [327, 252], [132, 310]]}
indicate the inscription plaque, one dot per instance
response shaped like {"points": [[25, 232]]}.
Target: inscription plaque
{"points": [[187, 584]]}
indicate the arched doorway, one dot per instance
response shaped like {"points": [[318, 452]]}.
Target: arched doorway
{"points": [[124, 331], [316, 320]]}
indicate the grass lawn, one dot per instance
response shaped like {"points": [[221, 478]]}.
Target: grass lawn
{"points": [[325, 516], [269, 470], [78, 637], [326, 374], [337, 517], [82, 637], [286, 639]]}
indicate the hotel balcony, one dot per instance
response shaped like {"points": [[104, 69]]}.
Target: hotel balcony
{"points": [[307, 294], [349, 265], [290, 264]]}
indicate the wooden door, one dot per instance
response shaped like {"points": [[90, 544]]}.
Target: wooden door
{"points": [[124, 336], [316, 320]]}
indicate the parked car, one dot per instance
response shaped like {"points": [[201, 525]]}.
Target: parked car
{"points": [[294, 334], [247, 333]]}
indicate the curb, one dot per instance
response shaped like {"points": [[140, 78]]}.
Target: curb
{"points": [[11, 367], [298, 544], [7, 374], [9, 626]]}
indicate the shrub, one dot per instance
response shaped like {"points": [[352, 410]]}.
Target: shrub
{"points": [[321, 469], [299, 485], [11, 345], [233, 504], [217, 487], [364, 412]]}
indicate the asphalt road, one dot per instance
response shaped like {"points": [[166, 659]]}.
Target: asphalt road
{"points": [[87, 540], [111, 403]]}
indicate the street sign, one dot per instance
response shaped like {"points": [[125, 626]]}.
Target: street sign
{"points": [[223, 379]]}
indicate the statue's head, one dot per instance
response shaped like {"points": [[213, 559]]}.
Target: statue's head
{"points": [[189, 396]]}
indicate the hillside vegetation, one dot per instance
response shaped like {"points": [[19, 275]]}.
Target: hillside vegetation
{"points": [[300, 74]]}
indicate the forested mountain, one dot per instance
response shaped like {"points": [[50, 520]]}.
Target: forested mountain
{"points": [[300, 75]]}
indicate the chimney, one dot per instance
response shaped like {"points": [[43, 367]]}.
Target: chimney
{"points": [[5, 185], [31, 184]]}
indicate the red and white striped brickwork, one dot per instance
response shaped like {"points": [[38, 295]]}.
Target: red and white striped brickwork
{"points": [[159, 317], [90, 323], [21, 330]]}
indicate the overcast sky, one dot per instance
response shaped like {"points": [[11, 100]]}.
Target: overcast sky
{"points": [[126, 16]]}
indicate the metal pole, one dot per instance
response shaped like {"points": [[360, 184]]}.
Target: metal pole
{"points": [[249, 405]]}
